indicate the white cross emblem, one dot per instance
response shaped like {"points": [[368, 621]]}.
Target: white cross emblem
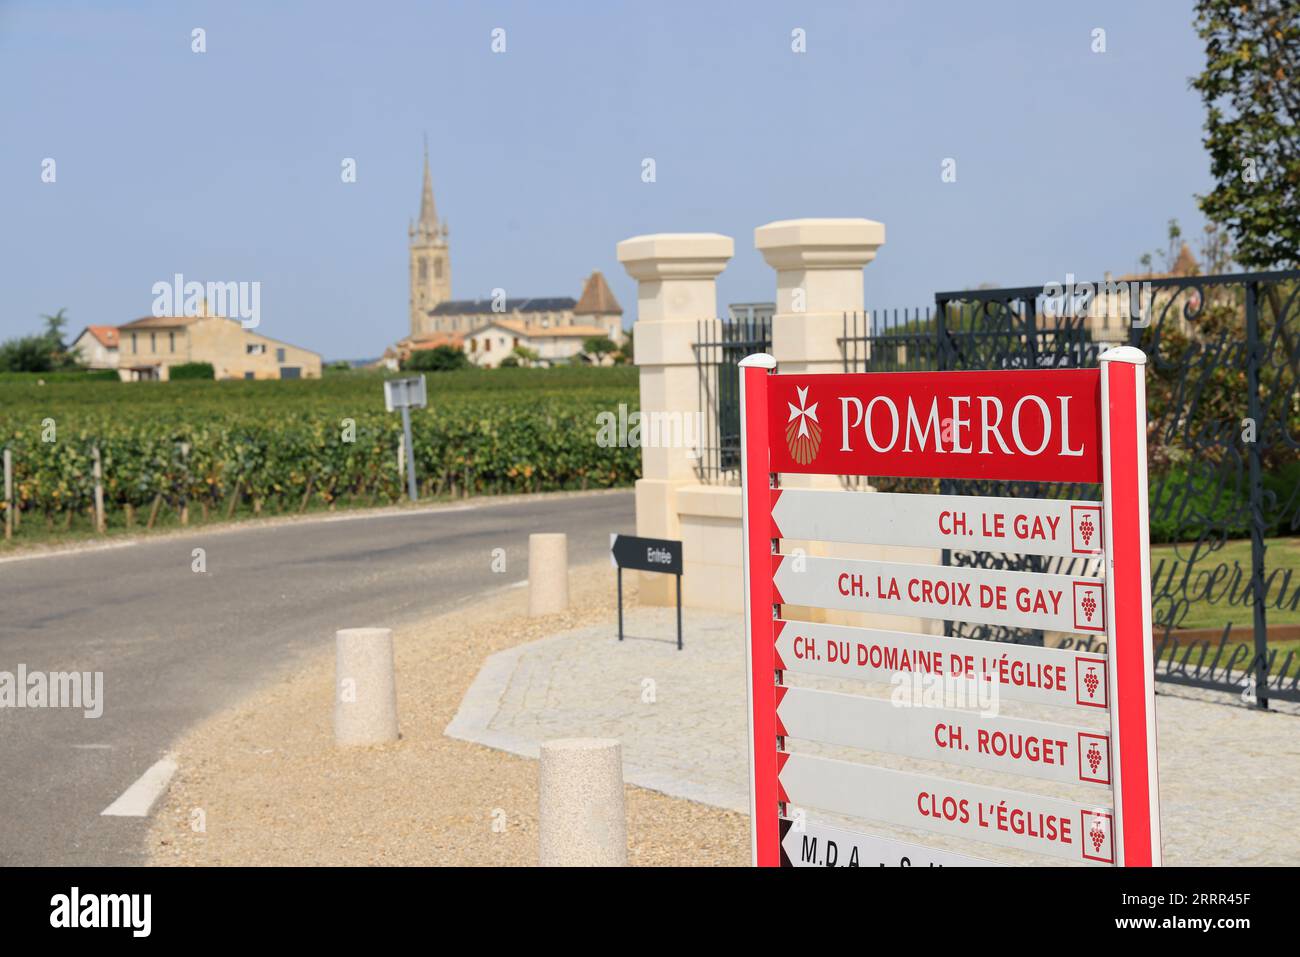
{"points": [[803, 413]]}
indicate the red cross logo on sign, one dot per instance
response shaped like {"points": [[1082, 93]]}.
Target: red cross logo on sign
{"points": [[803, 433]]}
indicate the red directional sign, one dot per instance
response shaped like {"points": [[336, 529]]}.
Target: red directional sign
{"points": [[1057, 426], [1036, 749], [961, 522], [810, 844], [1023, 599], [1028, 822], [1037, 425], [1055, 676]]}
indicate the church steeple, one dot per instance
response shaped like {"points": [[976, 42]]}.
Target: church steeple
{"points": [[430, 258], [428, 212]]}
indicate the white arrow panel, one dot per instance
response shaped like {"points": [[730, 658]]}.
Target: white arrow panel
{"points": [[980, 595], [1018, 526], [1055, 676], [819, 845], [1029, 822], [1037, 749]]}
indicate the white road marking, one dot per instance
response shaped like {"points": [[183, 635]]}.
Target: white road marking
{"points": [[93, 747], [139, 798]]}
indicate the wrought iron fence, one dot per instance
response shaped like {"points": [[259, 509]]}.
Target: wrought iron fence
{"points": [[965, 335], [720, 344], [1223, 395]]}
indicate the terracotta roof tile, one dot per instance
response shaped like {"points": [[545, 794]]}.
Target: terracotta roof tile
{"points": [[434, 340], [106, 335]]}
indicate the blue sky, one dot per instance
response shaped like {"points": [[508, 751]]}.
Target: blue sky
{"points": [[226, 165]]}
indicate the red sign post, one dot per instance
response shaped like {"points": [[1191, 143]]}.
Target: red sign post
{"points": [[1070, 426]]}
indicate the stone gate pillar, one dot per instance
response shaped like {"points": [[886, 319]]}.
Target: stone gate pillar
{"points": [[818, 265], [676, 277]]}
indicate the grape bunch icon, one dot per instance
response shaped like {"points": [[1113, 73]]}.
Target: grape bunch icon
{"points": [[1086, 528], [1094, 755], [1089, 605], [1091, 681], [1097, 833]]}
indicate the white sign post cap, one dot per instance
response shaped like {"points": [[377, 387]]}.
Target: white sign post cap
{"points": [[1124, 354], [760, 360]]}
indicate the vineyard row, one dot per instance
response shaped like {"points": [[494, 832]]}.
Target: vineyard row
{"points": [[288, 465]]}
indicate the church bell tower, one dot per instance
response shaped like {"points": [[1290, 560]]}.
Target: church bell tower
{"points": [[430, 258]]}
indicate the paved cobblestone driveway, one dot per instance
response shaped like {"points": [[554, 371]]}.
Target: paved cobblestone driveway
{"points": [[1230, 776]]}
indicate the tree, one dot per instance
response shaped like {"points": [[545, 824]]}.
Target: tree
{"points": [[599, 346], [626, 352], [28, 354], [41, 353], [525, 355], [438, 359], [1216, 251], [60, 357], [54, 328], [1251, 92], [1174, 235]]}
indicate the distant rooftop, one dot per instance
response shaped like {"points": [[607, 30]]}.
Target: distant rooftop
{"points": [[478, 307], [597, 298]]}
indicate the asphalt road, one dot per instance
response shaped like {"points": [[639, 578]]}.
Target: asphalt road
{"points": [[175, 645]]}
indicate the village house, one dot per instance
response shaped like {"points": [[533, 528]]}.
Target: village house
{"points": [[96, 347], [488, 345], [149, 347]]}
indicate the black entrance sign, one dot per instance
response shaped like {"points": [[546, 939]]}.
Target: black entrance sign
{"points": [[647, 555]]}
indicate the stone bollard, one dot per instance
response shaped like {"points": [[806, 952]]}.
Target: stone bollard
{"points": [[365, 691], [548, 573], [582, 821]]}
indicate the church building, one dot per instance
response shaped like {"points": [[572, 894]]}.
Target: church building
{"points": [[554, 328]]}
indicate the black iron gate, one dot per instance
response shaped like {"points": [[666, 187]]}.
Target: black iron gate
{"points": [[720, 344], [1223, 394]]}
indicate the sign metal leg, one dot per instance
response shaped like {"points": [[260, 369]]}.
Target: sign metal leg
{"points": [[410, 453], [620, 604], [679, 612]]}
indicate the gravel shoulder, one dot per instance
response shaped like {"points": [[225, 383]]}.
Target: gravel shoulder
{"points": [[262, 783]]}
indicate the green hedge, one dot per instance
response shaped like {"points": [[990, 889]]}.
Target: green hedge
{"points": [[191, 370], [1184, 503]]}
